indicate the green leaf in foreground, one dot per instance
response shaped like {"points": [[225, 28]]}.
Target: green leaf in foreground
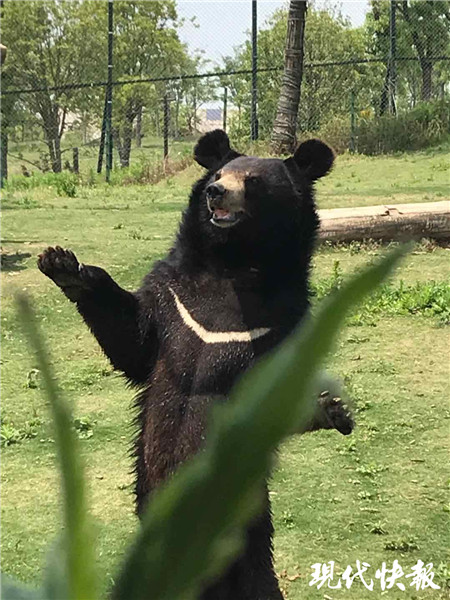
{"points": [[17, 591], [72, 573], [194, 523]]}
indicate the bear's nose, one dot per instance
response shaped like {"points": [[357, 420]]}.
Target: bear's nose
{"points": [[215, 191]]}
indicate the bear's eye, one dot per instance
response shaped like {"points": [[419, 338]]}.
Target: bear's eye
{"points": [[217, 176], [252, 179]]}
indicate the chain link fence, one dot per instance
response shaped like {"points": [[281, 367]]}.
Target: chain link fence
{"points": [[127, 86]]}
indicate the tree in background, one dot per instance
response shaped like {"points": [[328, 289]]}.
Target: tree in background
{"points": [[48, 47], [428, 27], [423, 31], [189, 95], [146, 44], [54, 43], [285, 126], [239, 94], [329, 38]]}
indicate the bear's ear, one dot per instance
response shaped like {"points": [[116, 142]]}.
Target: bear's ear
{"points": [[314, 159], [212, 149]]}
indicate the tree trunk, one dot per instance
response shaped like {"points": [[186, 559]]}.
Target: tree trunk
{"points": [[139, 127], [117, 140], [3, 157], [126, 145], [51, 126], [54, 147], [387, 99], [57, 164], [157, 124], [176, 133], [426, 64], [54, 151], [427, 70], [84, 127], [285, 125], [195, 111], [3, 51], [122, 141], [384, 94]]}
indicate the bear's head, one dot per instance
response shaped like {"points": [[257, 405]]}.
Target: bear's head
{"points": [[241, 188], [254, 206]]}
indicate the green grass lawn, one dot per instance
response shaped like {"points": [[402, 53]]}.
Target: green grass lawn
{"points": [[381, 494]]}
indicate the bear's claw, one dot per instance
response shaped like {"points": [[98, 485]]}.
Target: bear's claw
{"points": [[336, 413], [61, 266]]}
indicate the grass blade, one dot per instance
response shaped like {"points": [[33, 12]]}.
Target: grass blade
{"points": [[194, 523], [78, 555]]}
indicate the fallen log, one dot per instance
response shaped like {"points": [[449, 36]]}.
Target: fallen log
{"points": [[386, 222]]}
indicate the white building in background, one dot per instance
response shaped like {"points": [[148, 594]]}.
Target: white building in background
{"points": [[209, 119]]}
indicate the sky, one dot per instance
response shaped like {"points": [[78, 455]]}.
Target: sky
{"points": [[222, 24]]}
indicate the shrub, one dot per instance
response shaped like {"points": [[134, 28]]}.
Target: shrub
{"points": [[425, 125], [337, 133], [66, 184], [147, 171]]}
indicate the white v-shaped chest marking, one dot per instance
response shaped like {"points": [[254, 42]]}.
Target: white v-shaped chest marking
{"points": [[216, 337]]}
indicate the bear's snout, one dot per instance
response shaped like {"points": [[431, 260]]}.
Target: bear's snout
{"points": [[215, 193]]}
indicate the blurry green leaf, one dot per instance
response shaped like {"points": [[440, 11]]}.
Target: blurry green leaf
{"points": [[10, 590], [56, 578], [76, 558], [194, 523]]}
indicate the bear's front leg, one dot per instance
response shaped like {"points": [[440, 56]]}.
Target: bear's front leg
{"points": [[122, 328]]}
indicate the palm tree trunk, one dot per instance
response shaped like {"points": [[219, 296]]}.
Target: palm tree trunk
{"points": [[285, 125]]}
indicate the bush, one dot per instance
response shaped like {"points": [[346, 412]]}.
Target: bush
{"points": [[65, 183], [337, 133], [425, 125], [147, 171]]}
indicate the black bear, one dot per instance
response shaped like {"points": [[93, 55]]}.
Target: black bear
{"points": [[233, 286]]}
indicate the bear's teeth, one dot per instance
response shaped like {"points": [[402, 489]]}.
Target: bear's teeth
{"points": [[221, 214]]}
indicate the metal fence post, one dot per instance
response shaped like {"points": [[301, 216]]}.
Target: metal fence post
{"points": [[166, 126], [392, 56], [225, 102], [254, 116], [101, 150], [109, 139], [352, 123], [4, 132]]}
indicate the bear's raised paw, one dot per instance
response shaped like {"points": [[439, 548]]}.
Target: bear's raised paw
{"points": [[61, 266], [336, 413]]}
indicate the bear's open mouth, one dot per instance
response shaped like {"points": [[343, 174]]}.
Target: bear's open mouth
{"points": [[225, 218]]}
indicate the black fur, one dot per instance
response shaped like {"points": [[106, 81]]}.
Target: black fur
{"points": [[249, 276]]}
